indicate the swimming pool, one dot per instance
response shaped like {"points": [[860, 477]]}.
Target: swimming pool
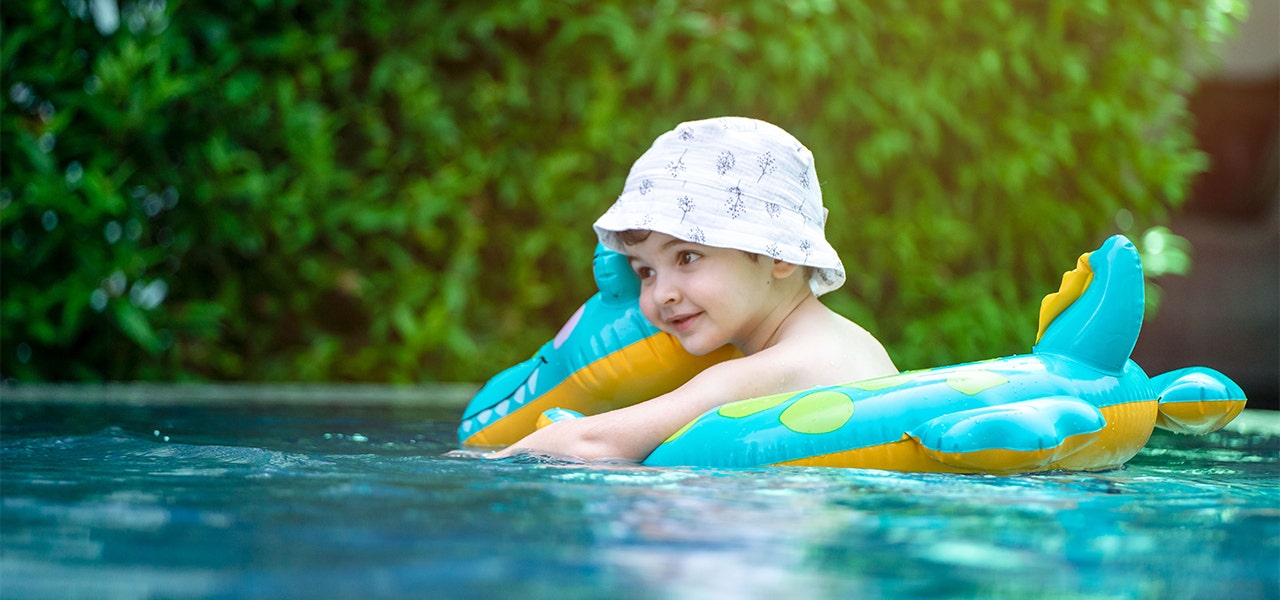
{"points": [[261, 500]]}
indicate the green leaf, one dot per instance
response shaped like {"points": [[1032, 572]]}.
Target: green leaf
{"points": [[133, 323]]}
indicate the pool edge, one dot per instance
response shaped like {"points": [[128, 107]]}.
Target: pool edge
{"points": [[427, 395]]}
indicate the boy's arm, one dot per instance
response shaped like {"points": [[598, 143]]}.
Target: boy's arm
{"points": [[634, 431]]}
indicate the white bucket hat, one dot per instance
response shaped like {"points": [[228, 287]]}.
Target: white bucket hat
{"points": [[729, 182]]}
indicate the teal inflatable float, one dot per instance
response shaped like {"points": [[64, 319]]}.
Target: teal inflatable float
{"points": [[1076, 402]]}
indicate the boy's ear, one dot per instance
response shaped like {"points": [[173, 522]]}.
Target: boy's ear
{"points": [[783, 269]]}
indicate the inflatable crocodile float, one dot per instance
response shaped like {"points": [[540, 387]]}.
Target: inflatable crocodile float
{"points": [[1075, 402]]}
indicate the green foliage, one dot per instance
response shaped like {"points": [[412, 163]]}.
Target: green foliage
{"points": [[402, 191]]}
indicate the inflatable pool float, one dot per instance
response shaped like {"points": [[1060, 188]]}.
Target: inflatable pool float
{"points": [[1076, 402]]}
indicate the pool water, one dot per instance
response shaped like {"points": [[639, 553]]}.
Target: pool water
{"points": [[270, 502]]}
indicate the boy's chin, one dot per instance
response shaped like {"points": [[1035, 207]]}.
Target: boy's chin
{"points": [[697, 349]]}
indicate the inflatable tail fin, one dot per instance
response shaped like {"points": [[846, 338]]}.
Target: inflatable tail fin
{"points": [[1196, 400], [1096, 314]]}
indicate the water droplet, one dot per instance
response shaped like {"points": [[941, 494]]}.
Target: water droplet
{"points": [[152, 205], [133, 229], [116, 283], [6, 197], [156, 433], [1124, 220], [49, 220], [98, 300], [19, 239], [357, 437], [106, 16], [78, 8], [47, 142], [46, 111], [159, 290], [137, 21], [92, 85], [150, 295], [170, 196], [74, 173], [112, 231], [21, 94], [166, 438], [24, 353], [139, 192]]}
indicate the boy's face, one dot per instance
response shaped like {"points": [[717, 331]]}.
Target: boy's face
{"points": [[704, 296]]}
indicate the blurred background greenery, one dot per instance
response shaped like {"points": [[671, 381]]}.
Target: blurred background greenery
{"points": [[403, 191]]}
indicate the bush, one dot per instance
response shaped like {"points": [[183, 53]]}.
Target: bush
{"points": [[400, 191]]}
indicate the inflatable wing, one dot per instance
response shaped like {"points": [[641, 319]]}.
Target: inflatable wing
{"points": [[606, 356], [1076, 402]]}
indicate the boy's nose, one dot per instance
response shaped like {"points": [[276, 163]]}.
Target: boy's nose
{"points": [[664, 292]]}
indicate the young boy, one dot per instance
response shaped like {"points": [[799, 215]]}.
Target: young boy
{"points": [[722, 220]]}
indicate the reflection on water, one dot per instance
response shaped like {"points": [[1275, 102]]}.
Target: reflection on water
{"points": [[260, 501]]}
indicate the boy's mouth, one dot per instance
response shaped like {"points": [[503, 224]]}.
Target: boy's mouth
{"points": [[681, 323]]}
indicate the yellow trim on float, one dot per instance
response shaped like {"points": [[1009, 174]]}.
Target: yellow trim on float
{"points": [[1127, 431], [1198, 418], [1074, 282]]}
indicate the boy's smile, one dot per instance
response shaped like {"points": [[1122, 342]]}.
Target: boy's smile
{"points": [[682, 323]]}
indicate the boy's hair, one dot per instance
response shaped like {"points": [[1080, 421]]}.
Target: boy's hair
{"points": [[632, 237]]}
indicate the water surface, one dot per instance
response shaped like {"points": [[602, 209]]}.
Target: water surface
{"points": [[263, 501]]}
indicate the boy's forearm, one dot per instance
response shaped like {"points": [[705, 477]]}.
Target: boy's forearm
{"points": [[579, 438]]}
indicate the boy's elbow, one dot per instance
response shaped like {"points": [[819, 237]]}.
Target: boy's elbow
{"points": [[591, 443], [577, 438]]}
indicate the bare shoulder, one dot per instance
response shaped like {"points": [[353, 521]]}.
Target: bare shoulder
{"points": [[819, 348], [828, 348]]}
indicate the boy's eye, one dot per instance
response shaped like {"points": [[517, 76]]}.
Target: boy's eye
{"points": [[688, 257], [644, 272]]}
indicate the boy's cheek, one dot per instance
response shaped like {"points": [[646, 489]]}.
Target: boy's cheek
{"points": [[646, 308]]}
